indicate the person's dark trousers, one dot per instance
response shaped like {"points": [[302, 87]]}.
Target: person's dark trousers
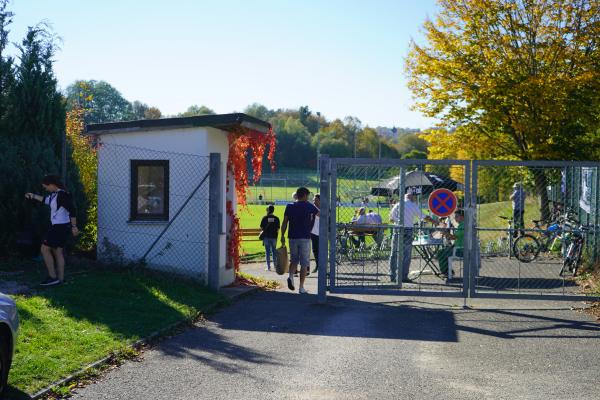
{"points": [[358, 240], [315, 249], [518, 222]]}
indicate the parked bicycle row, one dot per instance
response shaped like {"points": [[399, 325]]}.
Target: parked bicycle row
{"points": [[561, 235]]}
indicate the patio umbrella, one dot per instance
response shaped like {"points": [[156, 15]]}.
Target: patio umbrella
{"points": [[419, 181]]}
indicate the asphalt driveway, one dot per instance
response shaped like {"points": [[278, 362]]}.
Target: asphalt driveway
{"points": [[282, 345]]}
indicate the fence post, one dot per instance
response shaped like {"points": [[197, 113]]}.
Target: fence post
{"points": [[332, 223], [324, 169], [469, 204], [399, 247], [471, 257], [214, 220]]}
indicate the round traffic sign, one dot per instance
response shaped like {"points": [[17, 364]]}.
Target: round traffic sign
{"points": [[442, 202]]}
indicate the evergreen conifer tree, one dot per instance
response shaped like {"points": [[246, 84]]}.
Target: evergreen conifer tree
{"points": [[32, 126], [6, 73]]}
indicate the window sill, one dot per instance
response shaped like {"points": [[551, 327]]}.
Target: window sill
{"points": [[147, 222]]}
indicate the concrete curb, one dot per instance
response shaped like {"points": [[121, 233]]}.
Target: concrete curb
{"points": [[231, 294], [236, 293]]}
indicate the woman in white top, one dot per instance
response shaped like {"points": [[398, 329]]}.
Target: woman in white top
{"points": [[63, 223]]}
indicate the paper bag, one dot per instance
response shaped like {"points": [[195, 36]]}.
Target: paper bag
{"points": [[282, 264]]}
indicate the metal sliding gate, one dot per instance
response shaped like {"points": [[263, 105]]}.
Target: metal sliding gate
{"points": [[489, 247]]}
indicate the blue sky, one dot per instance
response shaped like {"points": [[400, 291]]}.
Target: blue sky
{"points": [[338, 57]]}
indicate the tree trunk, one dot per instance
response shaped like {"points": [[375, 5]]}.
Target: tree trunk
{"points": [[541, 182]]}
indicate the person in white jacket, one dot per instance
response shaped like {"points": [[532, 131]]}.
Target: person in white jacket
{"points": [[412, 211]]}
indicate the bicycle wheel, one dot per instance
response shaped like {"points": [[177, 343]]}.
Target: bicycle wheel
{"points": [[338, 256], [341, 250], [565, 266], [576, 260], [526, 248]]}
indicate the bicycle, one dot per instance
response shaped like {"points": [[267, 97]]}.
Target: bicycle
{"points": [[354, 244], [527, 247], [506, 244], [574, 252], [346, 247]]}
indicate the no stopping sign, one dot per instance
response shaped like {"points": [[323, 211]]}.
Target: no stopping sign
{"points": [[442, 202]]}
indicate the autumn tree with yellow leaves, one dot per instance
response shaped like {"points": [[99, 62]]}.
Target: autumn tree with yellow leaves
{"points": [[85, 160], [514, 79]]}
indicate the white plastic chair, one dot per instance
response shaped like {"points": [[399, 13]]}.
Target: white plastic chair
{"points": [[451, 259], [454, 257]]}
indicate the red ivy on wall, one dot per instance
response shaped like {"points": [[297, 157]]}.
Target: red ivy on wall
{"points": [[242, 141]]}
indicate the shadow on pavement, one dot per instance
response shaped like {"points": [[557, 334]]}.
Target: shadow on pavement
{"points": [[413, 318], [289, 313], [204, 345], [530, 325], [281, 312], [499, 283]]}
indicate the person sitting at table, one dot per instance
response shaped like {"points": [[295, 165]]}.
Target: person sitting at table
{"points": [[358, 237], [375, 219], [458, 238]]}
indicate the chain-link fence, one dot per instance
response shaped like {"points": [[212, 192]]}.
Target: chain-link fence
{"points": [[526, 229], [278, 187], [153, 208], [376, 246], [536, 226]]}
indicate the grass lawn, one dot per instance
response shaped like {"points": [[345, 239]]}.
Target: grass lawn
{"points": [[96, 312], [272, 193], [488, 214]]}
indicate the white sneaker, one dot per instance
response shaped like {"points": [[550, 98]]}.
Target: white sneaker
{"points": [[302, 291]]}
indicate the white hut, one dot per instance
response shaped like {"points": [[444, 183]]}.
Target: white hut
{"points": [[159, 199]]}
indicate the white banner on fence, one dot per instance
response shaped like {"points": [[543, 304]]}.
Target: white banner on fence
{"points": [[585, 199]]}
